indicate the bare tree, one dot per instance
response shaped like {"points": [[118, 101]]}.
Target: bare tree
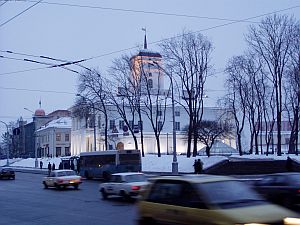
{"points": [[209, 131], [93, 88], [271, 40], [235, 100], [127, 99], [188, 57], [292, 90]]}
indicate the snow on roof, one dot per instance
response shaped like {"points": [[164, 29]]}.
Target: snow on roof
{"points": [[62, 122]]}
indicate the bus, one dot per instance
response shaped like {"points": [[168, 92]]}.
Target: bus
{"points": [[101, 164]]}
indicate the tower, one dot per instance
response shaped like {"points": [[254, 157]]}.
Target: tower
{"points": [[146, 68]]}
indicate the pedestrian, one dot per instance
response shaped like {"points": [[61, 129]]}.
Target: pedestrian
{"points": [[60, 166], [41, 164], [195, 167], [49, 168], [289, 164], [72, 165], [200, 166], [53, 166]]}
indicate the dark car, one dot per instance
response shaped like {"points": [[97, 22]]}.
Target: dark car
{"points": [[280, 188], [6, 172]]}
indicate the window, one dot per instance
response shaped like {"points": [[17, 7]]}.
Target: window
{"points": [[58, 151], [67, 151], [112, 124], [150, 74], [177, 126], [58, 137], [160, 125], [131, 124], [159, 113], [177, 113], [67, 137], [140, 124], [121, 124], [150, 83]]}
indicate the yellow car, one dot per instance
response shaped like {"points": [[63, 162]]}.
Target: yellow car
{"points": [[208, 200]]}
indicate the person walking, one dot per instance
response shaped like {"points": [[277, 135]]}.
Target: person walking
{"points": [[200, 166], [41, 164], [53, 166], [289, 164], [72, 166], [195, 167], [49, 168]]}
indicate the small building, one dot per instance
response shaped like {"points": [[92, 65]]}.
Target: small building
{"points": [[54, 138]]}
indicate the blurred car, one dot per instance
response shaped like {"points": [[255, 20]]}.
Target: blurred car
{"points": [[126, 185], [280, 188], [6, 172], [208, 199], [62, 179]]}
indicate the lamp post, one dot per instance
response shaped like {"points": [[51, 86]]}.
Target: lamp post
{"points": [[93, 105], [35, 140], [7, 152], [174, 162]]}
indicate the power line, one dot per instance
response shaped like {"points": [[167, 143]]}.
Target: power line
{"points": [[3, 3], [155, 42], [138, 11], [38, 90], [19, 13]]}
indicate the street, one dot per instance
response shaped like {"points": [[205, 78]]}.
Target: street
{"points": [[24, 201]]}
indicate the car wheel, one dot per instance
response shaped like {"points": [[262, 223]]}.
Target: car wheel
{"points": [[124, 195], [86, 175], [45, 185], [146, 221], [76, 186], [104, 194], [106, 175], [287, 202], [57, 186]]}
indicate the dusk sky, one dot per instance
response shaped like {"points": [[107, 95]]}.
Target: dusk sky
{"points": [[100, 31]]}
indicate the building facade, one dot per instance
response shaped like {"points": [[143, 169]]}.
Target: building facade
{"points": [[54, 138]]}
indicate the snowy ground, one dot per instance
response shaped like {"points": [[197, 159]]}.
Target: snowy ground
{"points": [[156, 164]]}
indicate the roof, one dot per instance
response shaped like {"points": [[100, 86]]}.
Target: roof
{"points": [[148, 53], [63, 122], [219, 148]]}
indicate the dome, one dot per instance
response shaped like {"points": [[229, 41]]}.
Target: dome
{"points": [[39, 112]]}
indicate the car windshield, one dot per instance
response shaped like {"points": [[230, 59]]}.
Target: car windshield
{"points": [[135, 178], [226, 193], [66, 173]]}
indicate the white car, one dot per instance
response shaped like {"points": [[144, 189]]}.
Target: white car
{"points": [[62, 179], [126, 185]]}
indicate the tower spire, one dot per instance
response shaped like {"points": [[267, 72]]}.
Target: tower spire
{"points": [[145, 39]]}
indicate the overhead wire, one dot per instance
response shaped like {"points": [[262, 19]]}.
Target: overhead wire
{"points": [[20, 13], [137, 11], [155, 42]]}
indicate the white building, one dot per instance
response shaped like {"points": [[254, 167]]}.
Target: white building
{"points": [[149, 63], [54, 138]]}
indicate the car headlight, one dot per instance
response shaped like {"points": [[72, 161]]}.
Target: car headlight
{"points": [[291, 221]]}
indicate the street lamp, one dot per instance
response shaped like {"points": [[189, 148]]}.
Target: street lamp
{"points": [[7, 152], [92, 103], [174, 162]]}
